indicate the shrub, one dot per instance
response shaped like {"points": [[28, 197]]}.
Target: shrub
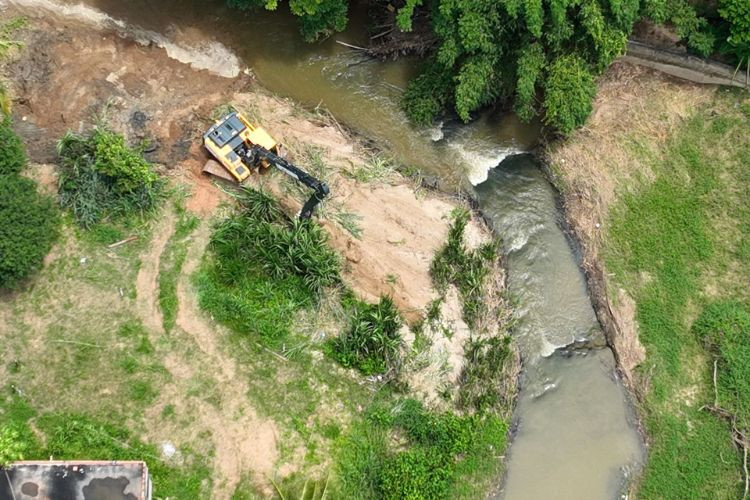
{"points": [[264, 267], [373, 340], [725, 328], [484, 380], [101, 178], [467, 270], [438, 455], [12, 152], [12, 445], [569, 92], [28, 227]]}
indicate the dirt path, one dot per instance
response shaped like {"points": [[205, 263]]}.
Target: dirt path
{"points": [[244, 443], [147, 282]]}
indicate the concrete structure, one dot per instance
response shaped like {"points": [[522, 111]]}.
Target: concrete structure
{"points": [[81, 480]]}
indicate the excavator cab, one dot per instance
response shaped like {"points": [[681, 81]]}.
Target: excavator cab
{"points": [[229, 138], [242, 148]]}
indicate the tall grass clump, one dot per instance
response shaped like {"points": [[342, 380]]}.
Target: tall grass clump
{"points": [[103, 179], [486, 381], [455, 265], [372, 342], [404, 450], [263, 267]]}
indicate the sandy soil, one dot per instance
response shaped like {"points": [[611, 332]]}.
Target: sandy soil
{"points": [[631, 101]]}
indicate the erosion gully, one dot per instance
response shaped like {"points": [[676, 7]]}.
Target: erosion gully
{"points": [[574, 434]]}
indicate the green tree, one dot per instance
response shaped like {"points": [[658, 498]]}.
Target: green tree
{"points": [[318, 18], [736, 14], [492, 50], [28, 227], [12, 153], [568, 92]]}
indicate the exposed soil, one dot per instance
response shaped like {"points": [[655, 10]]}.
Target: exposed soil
{"points": [[147, 282], [631, 101], [243, 442]]}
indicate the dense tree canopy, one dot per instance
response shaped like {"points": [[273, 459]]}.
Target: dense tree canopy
{"points": [[318, 18], [541, 56]]}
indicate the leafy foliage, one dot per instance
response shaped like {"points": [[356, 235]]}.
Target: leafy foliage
{"points": [[29, 221], [494, 50], [264, 266], [101, 178], [318, 18], [437, 455], [736, 14], [12, 152], [569, 90], [12, 446], [373, 340], [468, 270]]}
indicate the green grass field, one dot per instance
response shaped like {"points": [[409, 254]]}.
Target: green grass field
{"points": [[680, 243]]}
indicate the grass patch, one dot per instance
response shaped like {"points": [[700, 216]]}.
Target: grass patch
{"points": [[668, 241], [453, 264], [170, 266], [725, 328], [403, 450], [372, 342], [67, 436], [263, 267], [102, 179]]}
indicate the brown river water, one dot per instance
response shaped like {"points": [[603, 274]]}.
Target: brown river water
{"points": [[575, 436]]}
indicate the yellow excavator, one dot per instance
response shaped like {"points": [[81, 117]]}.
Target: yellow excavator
{"points": [[242, 148]]}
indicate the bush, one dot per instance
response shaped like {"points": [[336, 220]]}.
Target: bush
{"points": [[454, 264], [12, 152], [725, 328], [264, 267], [101, 178], [569, 92], [373, 340], [438, 455], [484, 380], [28, 227]]}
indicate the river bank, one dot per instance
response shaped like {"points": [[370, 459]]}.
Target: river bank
{"points": [[653, 189], [231, 414]]}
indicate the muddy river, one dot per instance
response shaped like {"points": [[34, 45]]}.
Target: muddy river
{"points": [[574, 433]]}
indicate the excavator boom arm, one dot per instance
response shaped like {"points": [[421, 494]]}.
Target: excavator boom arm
{"points": [[320, 189]]}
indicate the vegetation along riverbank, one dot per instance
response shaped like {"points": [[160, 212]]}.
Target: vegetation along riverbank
{"points": [[655, 187], [239, 351]]}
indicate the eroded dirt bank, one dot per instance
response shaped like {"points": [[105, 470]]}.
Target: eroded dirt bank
{"points": [[71, 74]]}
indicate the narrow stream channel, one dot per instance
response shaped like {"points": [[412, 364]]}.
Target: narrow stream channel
{"points": [[574, 436]]}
